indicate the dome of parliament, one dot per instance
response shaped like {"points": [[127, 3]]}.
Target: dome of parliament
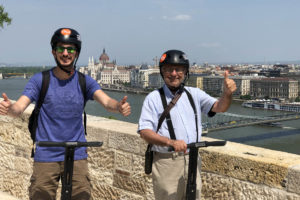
{"points": [[104, 56]]}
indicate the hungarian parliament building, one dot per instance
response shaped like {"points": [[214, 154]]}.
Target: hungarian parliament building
{"points": [[105, 71]]}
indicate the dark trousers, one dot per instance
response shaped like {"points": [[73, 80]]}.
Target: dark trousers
{"points": [[45, 179]]}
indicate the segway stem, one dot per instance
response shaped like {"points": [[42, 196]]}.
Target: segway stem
{"points": [[191, 186], [66, 190]]}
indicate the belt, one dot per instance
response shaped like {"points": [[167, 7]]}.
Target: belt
{"points": [[169, 155]]}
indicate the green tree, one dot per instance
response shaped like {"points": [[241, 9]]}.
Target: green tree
{"points": [[245, 97], [4, 17]]}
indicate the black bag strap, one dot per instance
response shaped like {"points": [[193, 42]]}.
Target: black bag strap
{"points": [[82, 83], [166, 113], [194, 108]]}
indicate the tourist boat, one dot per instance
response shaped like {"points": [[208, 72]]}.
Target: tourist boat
{"points": [[271, 105]]}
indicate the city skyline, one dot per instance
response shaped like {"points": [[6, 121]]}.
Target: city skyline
{"points": [[137, 32]]}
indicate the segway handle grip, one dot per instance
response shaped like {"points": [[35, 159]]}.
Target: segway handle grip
{"points": [[69, 144], [202, 144]]}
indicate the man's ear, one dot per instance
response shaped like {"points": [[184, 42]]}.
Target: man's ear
{"points": [[54, 53]]}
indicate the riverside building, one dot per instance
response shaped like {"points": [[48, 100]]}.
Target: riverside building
{"points": [[140, 77], [283, 88], [106, 72]]}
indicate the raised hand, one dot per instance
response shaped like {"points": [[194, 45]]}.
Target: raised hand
{"points": [[124, 107], [5, 105], [229, 85]]}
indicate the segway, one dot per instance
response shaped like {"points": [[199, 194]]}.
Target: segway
{"points": [[191, 186], [66, 190]]}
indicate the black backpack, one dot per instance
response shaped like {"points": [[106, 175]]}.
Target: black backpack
{"points": [[33, 119]]}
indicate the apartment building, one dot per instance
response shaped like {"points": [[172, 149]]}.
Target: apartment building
{"points": [[274, 88], [214, 85], [140, 77], [155, 80]]}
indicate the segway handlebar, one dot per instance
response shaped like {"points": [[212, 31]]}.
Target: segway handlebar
{"points": [[202, 144], [69, 144]]}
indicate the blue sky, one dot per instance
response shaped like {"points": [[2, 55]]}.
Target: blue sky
{"points": [[137, 31]]}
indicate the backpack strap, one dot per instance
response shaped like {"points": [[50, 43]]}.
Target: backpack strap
{"points": [[33, 119], [82, 83], [44, 89], [168, 117]]}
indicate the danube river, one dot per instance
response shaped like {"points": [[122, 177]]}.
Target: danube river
{"points": [[285, 138]]}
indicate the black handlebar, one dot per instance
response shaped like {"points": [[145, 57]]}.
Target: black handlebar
{"points": [[69, 144], [202, 144], [206, 144]]}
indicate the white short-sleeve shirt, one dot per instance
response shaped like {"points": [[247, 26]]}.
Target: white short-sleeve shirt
{"points": [[182, 114]]}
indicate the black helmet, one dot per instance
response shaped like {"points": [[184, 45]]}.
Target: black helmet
{"points": [[66, 35], [174, 57]]}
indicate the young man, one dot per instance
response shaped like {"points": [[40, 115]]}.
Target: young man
{"points": [[60, 118], [170, 169]]}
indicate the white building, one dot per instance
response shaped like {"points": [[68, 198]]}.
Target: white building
{"points": [[106, 72], [214, 84], [155, 80], [140, 77]]}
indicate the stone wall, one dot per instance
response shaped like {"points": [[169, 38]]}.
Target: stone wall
{"points": [[234, 171]]}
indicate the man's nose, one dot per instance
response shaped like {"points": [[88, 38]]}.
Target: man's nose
{"points": [[65, 52], [174, 72]]}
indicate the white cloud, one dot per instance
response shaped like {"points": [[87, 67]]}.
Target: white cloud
{"points": [[181, 17]]}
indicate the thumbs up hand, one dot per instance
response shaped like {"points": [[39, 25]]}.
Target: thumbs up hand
{"points": [[5, 105], [124, 107], [229, 85]]}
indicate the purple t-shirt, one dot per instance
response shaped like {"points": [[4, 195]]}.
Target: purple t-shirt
{"points": [[60, 118]]}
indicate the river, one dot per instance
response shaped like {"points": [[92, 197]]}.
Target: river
{"points": [[286, 138]]}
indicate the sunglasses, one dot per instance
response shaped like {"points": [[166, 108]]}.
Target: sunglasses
{"points": [[60, 49]]}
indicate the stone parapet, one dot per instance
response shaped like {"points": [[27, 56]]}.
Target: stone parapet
{"points": [[235, 171]]}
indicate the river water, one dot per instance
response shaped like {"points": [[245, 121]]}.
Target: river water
{"points": [[285, 138]]}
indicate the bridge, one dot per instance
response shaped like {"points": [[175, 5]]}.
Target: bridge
{"points": [[10, 75], [230, 120]]}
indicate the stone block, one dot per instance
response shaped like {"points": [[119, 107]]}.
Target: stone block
{"points": [[136, 185], [256, 171], [101, 158], [23, 165], [16, 184], [105, 192], [123, 161], [221, 187], [138, 163], [125, 142], [293, 179], [98, 135], [101, 175]]}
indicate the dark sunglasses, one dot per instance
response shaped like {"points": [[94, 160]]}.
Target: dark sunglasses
{"points": [[60, 49]]}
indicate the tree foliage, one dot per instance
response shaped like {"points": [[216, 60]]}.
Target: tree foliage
{"points": [[4, 18], [245, 97], [30, 70]]}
